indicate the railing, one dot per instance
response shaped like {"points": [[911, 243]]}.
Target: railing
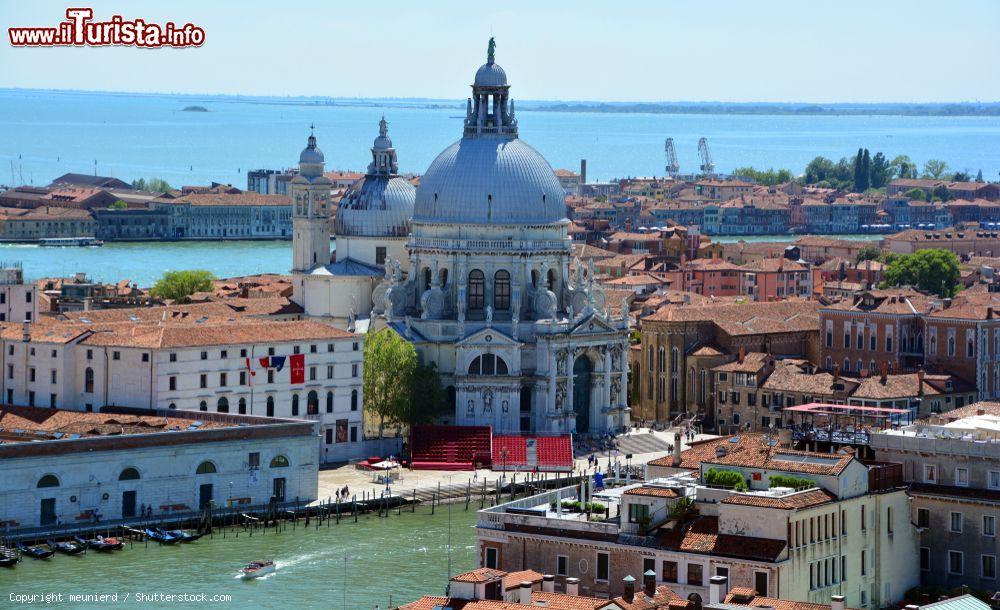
{"points": [[843, 437], [489, 244]]}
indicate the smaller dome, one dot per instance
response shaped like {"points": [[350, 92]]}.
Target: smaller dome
{"points": [[382, 142], [491, 74], [311, 153]]}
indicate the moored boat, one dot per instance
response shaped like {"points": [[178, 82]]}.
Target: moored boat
{"points": [[256, 569], [101, 543], [36, 552], [67, 548], [185, 535], [158, 535], [67, 242], [9, 557]]}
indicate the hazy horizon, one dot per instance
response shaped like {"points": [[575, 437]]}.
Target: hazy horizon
{"points": [[858, 52]]}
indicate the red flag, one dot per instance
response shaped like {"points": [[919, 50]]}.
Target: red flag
{"points": [[252, 372], [298, 368], [265, 362]]}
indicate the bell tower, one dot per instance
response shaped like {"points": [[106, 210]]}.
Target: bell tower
{"points": [[310, 216]]}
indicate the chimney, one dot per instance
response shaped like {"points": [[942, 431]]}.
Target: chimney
{"points": [[920, 382], [837, 602], [583, 171], [649, 583], [88, 304], [742, 354], [717, 586], [836, 372], [629, 589], [572, 586], [676, 461], [549, 583], [525, 594], [26, 331], [785, 438], [884, 371]]}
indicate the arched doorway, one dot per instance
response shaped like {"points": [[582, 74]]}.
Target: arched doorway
{"points": [[582, 370]]}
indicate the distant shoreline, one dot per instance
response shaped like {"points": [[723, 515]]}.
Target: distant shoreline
{"points": [[929, 109]]}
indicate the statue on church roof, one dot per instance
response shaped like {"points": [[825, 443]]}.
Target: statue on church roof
{"points": [[491, 50]]}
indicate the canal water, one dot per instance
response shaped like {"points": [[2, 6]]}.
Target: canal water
{"points": [[402, 557], [145, 262]]}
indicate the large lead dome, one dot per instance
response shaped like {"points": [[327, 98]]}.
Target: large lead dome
{"points": [[490, 176]]}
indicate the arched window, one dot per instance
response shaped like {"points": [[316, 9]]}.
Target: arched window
{"points": [[477, 290], [312, 403], [49, 480], [206, 468], [427, 278], [443, 275], [661, 356], [270, 406], [203, 406], [172, 406], [551, 279], [329, 402], [279, 461], [88, 380], [129, 474], [295, 404], [675, 356], [488, 364], [501, 290], [847, 364], [243, 405], [534, 278], [354, 400], [222, 406]]}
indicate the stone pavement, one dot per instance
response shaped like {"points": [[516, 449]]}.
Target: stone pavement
{"points": [[361, 482]]}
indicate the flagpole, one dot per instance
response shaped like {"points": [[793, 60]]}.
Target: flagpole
{"points": [[250, 376]]}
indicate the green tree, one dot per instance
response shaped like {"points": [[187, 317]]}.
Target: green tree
{"points": [[935, 169], [979, 176], [819, 169], [389, 363], [866, 172], [916, 194], [859, 176], [940, 193], [961, 177], [881, 172], [428, 399], [118, 205], [869, 253], [154, 185], [180, 285], [929, 270], [903, 167], [767, 177]]}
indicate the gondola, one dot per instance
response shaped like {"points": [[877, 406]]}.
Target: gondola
{"points": [[185, 535], [100, 543], [158, 535], [35, 552], [67, 548], [9, 557]]}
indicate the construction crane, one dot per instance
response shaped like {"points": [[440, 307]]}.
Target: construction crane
{"points": [[673, 168], [707, 167]]}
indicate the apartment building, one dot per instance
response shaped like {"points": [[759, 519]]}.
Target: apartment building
{"points": [[952, 463], [842, 531]]}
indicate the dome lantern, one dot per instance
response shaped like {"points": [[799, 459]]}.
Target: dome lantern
{"points": [[488, 110]]}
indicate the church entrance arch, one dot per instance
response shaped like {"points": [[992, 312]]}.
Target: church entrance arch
{"points": [[582, 370]]}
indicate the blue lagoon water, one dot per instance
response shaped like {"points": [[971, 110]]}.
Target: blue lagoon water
{"points": [[44, 134]]}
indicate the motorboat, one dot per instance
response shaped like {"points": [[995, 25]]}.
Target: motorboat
{"points": [[68, 242], [256, 569]]}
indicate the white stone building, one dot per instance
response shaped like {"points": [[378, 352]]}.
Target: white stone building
{"points": [[201, 366], [18, 300], [65, 468], [371, 226], [523, 337]]}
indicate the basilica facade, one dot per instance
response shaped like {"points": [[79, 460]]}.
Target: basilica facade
{"points": [[523, 337]]}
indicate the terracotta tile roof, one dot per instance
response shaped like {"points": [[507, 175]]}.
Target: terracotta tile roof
{"points": [[799, 500], [479, 575], [899, 301], [708, 350], [663, 597], [513, 580], [216, 311], [651, 491], [770, 457], [791, 376], [554, 601], [752, 362], [748, 597], [702, 451], [240, 199], [702, 536], [748, 318], [978, 408], [55, 421]]}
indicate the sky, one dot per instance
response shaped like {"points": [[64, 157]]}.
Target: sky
{"points": [[610, 50]]}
